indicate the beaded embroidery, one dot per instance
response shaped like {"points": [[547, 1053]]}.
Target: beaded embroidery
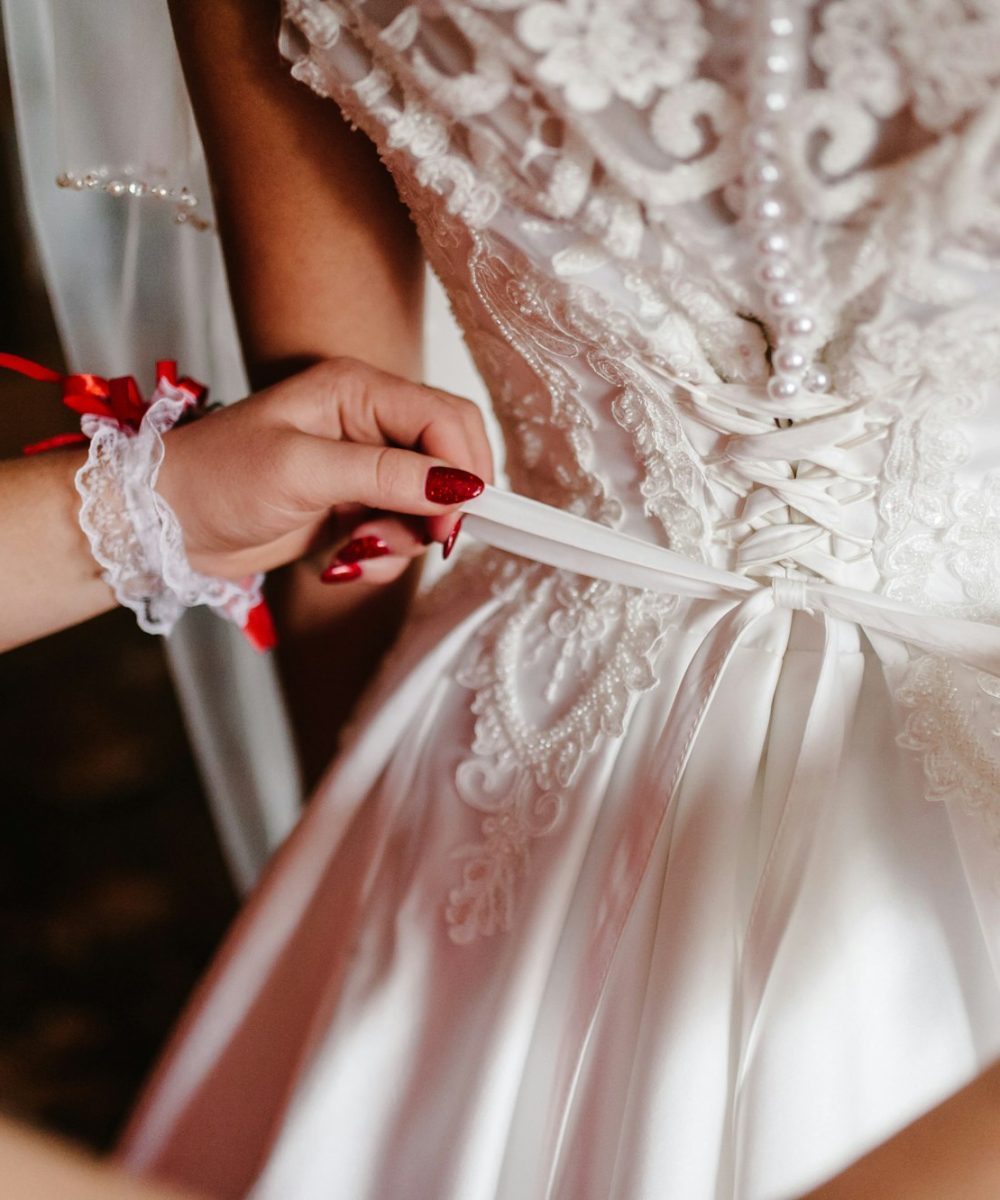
{"points": [[588, 205]]}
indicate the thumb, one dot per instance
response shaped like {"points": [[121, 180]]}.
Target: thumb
{"points": [[331, 473]]}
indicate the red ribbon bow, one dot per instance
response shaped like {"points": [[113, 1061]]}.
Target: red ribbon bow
{"points": [[121, 401]]}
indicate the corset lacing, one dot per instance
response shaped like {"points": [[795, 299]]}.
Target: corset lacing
{"points": [[801, 482], [803, 488]]}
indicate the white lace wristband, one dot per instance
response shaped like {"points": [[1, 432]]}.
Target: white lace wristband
{"points": [[134, 534]]}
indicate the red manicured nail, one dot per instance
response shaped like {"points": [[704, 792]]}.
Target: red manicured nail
{"points": [[338, 572], [449, 485], [360, 548], [452, 537]]}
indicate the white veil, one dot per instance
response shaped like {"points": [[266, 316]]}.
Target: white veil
{"points": [[98, 92]]}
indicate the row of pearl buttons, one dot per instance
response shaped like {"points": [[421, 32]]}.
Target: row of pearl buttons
{"points": [[776, 69]]}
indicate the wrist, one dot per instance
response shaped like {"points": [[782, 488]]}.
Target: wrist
{"points": [[135, 535], [179, 488]]}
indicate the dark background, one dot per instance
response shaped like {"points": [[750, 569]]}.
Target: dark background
{"points": [[113, 892]]}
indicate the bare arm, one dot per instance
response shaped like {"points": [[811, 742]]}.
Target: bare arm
{"points": [[254, 486], [323, 261], [952, 1153], [35, 1167], [49, 581]]}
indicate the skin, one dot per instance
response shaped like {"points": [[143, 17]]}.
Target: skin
{"points": [[323, 261], [288, 472], [952, 1152], [35, 1167]]}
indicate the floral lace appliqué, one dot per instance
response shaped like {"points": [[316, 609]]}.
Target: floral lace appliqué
{"points": [[941, 57], [940, 547], [590, 640], [598, 49], [953, 723]]}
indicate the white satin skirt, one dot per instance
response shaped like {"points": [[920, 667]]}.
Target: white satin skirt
{"points": [[346, 1048]]}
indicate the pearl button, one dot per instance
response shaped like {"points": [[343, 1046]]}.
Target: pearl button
{"points": [[773, 243], [817, 380], [799, 325], [768, 210], [773, 270], [790, 361], [766, 172], [784, 298], [759, 138], [780, 388]]}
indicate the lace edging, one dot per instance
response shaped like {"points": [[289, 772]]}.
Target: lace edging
{"points": [[957, 765], [133, 533]]}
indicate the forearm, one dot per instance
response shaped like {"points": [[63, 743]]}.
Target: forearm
{"points": [[953, 1152], [49, 579], [322, 258], [35, 1167]]}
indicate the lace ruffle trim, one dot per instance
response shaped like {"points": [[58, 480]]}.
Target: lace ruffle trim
{"points": [[134, 534]]}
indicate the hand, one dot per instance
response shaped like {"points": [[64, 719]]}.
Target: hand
{"points": [[322, 458]]}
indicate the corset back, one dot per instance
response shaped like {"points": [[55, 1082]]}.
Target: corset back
{"points": [[578, 175]]}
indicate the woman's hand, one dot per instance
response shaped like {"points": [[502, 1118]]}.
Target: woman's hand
{"points": [[325, 457]]}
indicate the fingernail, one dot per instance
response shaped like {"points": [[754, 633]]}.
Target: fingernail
{"points": [[452, 537], [360, 548], [449, 485], [338, 572]]}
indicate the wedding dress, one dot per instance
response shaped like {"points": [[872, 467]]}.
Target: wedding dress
{"points": [[664, 857]]}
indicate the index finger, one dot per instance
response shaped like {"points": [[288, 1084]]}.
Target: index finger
{"points": [[351, 401]]}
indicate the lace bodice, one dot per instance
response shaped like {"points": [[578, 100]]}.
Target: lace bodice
{"points": [[577, 171]]}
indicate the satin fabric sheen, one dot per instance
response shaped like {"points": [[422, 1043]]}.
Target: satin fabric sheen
{"points": [[737, 945], [729, 1086]]}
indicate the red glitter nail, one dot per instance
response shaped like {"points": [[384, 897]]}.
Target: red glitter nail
{"points": [[452, 537], [449, 485], [338, 572], [360, 548]]}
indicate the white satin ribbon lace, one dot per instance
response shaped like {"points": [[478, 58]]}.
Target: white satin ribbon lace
{"points": [[525, 527]]}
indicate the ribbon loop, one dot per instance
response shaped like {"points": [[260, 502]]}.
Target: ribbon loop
{"points": [[119, 399], [790, 593]]}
